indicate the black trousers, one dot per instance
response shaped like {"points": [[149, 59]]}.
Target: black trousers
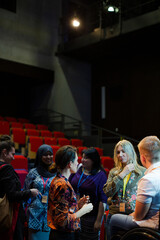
{"points": [[60, 235]]}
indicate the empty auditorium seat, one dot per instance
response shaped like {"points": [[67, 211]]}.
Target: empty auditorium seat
{"points": [[29, 126], [42, 127], [58, 134], [50, 140], [32, 132], [22, 173], [4, 128], [63, 141], [19, 138], [100, 151], [107, 171], [55, 149], [79, 159], [20, 162], [16, 125], [2, 118], [45, 133], [11, 119], [76, 142], [33, 144], [80, 149], [107, 162], [23, 120]]}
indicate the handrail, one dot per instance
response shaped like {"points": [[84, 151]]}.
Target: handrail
{"points": [[65, 121]]}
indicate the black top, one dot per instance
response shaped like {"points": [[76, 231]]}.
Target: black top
{"points": [[11, 185]]}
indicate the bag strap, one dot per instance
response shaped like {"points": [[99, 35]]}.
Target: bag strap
{"points": [[2, 165]]}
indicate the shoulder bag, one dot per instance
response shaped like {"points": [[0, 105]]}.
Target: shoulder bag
{"points": [[6, 212]]}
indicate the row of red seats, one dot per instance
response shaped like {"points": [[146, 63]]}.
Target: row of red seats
{"points": [[6, 126], [13, 119]]}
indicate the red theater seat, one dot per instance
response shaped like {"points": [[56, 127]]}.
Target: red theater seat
{"points": [[63, 141], [50, 141], [16, 125], [107, 162], [45, 133], [55, 149], [19, 137], [4, 128], [23, 120], [29, 126], [22, 173], [2, 118], [76, 142], [42, 127], [11, 119], [80, 149], [32, 132], [58, 134], [100, 151], [107, 171], [79, 159], [20, 162], [33, 144]]}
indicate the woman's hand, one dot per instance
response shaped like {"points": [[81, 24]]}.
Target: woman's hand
{"points": [[97, 225], [82, 201], [126, 170], [34, 192]]}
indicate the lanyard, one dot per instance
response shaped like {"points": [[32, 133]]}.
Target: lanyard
{"points": [[125, 181], [80, 183], [44, 183]]}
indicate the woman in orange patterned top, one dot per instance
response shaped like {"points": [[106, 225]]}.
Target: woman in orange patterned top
{"points": [[64, 211]]}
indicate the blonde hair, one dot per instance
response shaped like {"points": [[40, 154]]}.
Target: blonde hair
{"points": [[150, 147], [132, 156]]}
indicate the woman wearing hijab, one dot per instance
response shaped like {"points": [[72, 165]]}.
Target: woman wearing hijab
{"points": [[40, 178]]}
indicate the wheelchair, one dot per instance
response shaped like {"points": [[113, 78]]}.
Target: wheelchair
{"points": [[141, 233]]}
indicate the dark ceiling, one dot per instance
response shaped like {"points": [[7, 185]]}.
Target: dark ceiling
{"points": [[143, 41]]}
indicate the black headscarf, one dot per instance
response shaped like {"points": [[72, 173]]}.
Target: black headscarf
{"points": [[42, 168]]}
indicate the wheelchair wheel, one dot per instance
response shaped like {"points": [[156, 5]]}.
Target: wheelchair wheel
{"points": [[141, 234]]}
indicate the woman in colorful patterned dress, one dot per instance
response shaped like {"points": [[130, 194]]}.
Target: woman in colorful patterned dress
{"points": [[121, 186], [64, 211], [40, 178]]}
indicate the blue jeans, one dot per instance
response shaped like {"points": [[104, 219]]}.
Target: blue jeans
{"points": [[121, 222]]}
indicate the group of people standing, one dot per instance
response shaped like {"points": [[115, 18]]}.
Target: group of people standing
{"points": [[64, 201]]}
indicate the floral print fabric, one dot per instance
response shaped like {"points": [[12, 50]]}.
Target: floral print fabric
{"points": [[62, 205], [114, 190]]}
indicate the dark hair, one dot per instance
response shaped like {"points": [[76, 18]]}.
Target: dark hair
{"points": [[64, 155], [93, 154], [6, 143]]}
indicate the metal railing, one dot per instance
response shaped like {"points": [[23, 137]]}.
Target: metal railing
{"points": [[75, 128]]}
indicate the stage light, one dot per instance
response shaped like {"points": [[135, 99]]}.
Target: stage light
{"points": [[75, 22], [112, 9]]}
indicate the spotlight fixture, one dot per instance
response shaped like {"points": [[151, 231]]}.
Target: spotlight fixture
{"points": [[109, 6], [75, 22], [112, 9]]}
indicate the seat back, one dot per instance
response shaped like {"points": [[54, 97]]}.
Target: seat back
{"points": [[4, 128], [45, 133], [57, 134], [50, 141], [63, 141], [42, 127], [76, 142]]}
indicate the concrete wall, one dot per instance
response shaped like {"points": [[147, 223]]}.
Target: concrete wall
{"points": [[30, 36]]}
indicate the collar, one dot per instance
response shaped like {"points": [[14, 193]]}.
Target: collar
{"points": [[154, 165]]}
